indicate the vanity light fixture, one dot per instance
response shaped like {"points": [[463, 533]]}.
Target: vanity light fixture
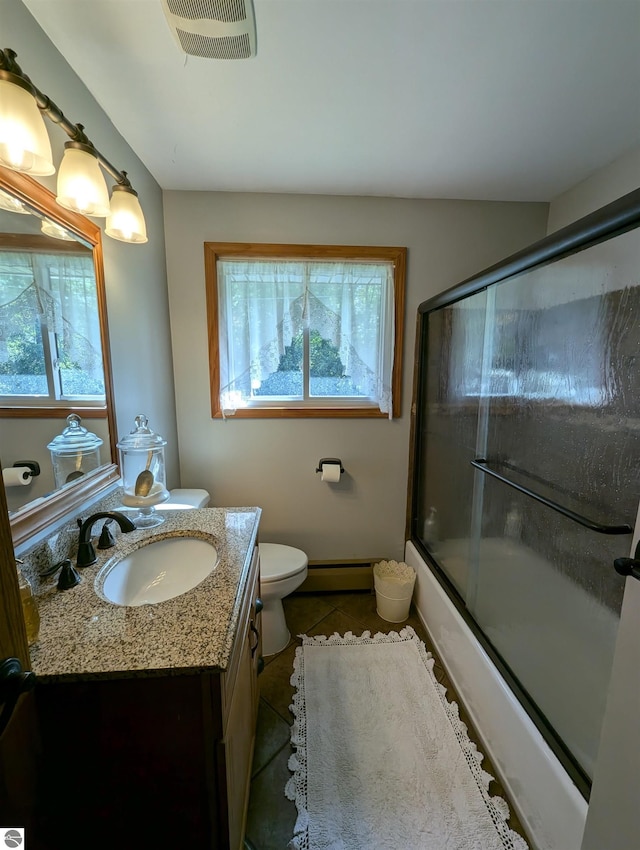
{"points": [[25, 146], [81, 184], [24, 141], [126, 221]]}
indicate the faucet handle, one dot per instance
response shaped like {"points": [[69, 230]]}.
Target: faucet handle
{"points": [[68, 577], [107, 540]]}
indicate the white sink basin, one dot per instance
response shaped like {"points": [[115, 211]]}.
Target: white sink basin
{"points": [[158, 571]]}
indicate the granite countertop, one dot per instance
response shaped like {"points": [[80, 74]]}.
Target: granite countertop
{"points": [[83, 636]]}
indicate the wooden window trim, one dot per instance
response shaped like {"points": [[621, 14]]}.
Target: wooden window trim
{"points": [[213, 251], [43, 244], [45, 411]]}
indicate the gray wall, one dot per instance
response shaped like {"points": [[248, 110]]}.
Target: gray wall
{"points": [[266, 462], [135, 274], [271, 462]]}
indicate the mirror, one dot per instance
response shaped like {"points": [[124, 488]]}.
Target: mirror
{"points": [[65, 373]]}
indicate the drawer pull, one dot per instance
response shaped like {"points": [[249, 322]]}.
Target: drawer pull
{"points": [[260, 665], [257, 636], [259, 605]]}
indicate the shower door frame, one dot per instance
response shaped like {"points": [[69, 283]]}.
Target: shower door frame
{"points": [[613, 817], [604, 224]]}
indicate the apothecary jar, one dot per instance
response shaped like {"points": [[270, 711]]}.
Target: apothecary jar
{"points": [[74, 452], [142, 467]]}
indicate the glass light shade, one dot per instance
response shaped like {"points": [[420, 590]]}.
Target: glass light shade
{"points": [[24, 141], [50, 228], [81, 184], [11, 204], [126, 221]]}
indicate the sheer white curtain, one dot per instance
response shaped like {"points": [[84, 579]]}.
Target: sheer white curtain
{"points": [[68, 289], [58, 290], [64, 287], [264, 305]]}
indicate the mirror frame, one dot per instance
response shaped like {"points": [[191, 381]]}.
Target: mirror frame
{"points": [[42, 512]]}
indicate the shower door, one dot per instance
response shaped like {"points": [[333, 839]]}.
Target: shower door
{"points": [[526, 474]]}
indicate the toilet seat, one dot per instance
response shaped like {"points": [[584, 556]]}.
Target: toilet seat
{"points": [[278, 561]]}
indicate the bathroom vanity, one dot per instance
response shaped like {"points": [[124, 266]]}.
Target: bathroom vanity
{"points": [[147, 714]]}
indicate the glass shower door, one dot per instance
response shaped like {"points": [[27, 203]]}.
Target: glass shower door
{"points": [[452, 383], [536, 380]]}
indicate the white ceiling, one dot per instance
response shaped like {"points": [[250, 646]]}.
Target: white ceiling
{"points": [[477, 99]]}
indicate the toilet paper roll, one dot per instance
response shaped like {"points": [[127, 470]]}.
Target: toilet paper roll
{"points": [[16, 476], [331, 472]]}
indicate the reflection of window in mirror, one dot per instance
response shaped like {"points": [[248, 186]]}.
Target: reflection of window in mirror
{"points": [[54, 353], [50, 344]]}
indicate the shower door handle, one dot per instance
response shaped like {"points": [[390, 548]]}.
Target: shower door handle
{"points": [[629, 566], [482, 464]]}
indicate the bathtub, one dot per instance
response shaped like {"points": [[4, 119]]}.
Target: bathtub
{"points": [[549, 805]]}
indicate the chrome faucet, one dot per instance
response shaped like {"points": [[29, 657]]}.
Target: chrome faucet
{"points": [[86, 552]]}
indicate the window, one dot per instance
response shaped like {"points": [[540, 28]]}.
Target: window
{"points": [[304, 330], [50, 342]]}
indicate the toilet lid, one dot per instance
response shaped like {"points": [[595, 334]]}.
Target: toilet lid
{"points": [[278, 561]]}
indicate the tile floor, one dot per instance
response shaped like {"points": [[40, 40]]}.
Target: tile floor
{"points": [[271, 816]]}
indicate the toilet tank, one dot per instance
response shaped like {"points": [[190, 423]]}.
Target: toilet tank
{"points": [[185, 498]]}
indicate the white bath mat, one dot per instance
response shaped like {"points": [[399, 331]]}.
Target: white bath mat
{"points": [[382, 760]]}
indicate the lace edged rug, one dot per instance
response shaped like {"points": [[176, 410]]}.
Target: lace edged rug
{"points": [[382, 760]]}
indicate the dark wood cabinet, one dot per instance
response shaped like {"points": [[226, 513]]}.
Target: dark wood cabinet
{"points": [[153, 762]]}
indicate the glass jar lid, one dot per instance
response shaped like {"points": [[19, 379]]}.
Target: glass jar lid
{"points": [[75, 438], [142, 437]]}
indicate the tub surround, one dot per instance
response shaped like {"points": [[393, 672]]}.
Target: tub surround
{"points": [[547, 802], [85, 637]]}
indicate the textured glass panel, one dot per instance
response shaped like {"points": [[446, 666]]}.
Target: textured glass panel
{"points": [[539, 375], [556, 634], [564, 420], [449, 423]]}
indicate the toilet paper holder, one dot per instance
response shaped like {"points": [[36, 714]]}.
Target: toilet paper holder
{"points": [[21, 473], [32, 465], [331, 460]]}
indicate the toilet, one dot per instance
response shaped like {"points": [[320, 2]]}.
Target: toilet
{"points": [[183, 499], [282, 570]]}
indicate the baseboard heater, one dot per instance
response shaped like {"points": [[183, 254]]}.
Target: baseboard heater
{"points": [[339, 575]]}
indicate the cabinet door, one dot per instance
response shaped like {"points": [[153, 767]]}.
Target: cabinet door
{"points": [[238, 747], [240, 708]]}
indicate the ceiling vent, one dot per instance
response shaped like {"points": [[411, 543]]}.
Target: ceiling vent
{"points": [[213, 29]]}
